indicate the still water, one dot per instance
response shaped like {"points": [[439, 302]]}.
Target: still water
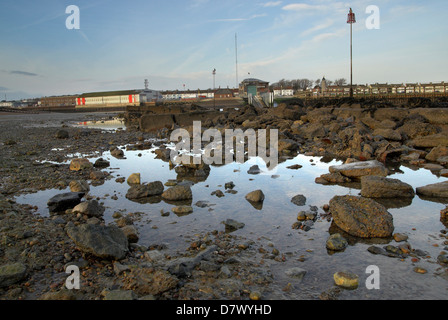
{"points": [[419, 219]]}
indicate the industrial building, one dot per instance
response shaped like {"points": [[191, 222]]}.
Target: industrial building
{"points": [[253, 86], [118, 98]]}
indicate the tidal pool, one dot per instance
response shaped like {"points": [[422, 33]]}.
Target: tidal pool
{"points": [[272, 223]]}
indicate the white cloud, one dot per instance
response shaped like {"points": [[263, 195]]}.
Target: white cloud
{"points": [[302, 7], [318, 27], [272, 4]]}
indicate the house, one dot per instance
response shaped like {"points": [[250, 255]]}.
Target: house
{"points": [[223, 93]]}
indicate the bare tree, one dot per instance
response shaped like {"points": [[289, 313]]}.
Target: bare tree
{"points": [[340, 82]]}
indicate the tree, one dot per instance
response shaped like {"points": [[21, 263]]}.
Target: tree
{"points": [[340, 82]]}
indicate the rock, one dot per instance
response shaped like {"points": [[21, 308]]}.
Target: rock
{"points": [[145, 190], [430, 141], [11, 274], [106, 242], [218, 193], [400, 237], [299, 200], [64, 201], [443, 258], [116, 152], [287, 145], [296, 273], [229, 185], [255, 196], [61, 134], [79, 186], [147, 281], [444, 173], [436, 153], [183, 267], [295, 167], [101, 163], [347, 280], [134, 179], [233, 225], [437, 190], [359, 169], [254, 170], [80, 164], [120, 295], [131, 233], [334, 178], [90, 208], [336, 242], [381, 187], [178, 193], [182, 210], [388, 134], [97, 175], [361, 217], [61, 295], [301, 216]]}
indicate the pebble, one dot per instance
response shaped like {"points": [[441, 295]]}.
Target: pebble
{"points": [[346, 279]]}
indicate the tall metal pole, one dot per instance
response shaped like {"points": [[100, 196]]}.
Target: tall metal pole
{"points": [[236, 57], [351, 60], [351, 19], [214, 101]]}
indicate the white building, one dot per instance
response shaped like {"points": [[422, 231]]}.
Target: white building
{"points": [[118, 98]]}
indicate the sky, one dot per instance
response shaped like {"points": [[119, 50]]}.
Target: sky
{"points": [[177, 44]]}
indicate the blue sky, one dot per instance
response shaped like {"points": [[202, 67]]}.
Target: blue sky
{"points": [[172, 43]]}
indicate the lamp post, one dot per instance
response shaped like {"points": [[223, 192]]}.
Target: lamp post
{"points": [[214, 101], [351, 19]]}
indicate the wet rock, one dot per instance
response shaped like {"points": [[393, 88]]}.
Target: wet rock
{"points": [[336, 242], [399, 237], [299, 200], [79, 186], [80, 164], [254, 170], [333, 178], [97, 175], [64, 201], [295, 167], [178, 193], [218, 193], [134, 179], [443, 258], [131, 233], [145, 190], [255, 196], [296, 273], [381, 187], [11, 274], [101, 163], [233, 225], [182, 210], [106, 242], [183, 267], [360, 169], [90, 208], [61, 295], [229, 185], [437, 190], [117, 153], [361, 217], [346, 279], [61, 134]]}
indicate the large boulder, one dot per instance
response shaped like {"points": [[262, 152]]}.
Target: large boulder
{"points": [[255, 196], [431, 141], [178, 193], [64, 201], [436, 190], [139, 191], [361, 217], [381, 187], [356, 170], [90, 208], [106, 242]]}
